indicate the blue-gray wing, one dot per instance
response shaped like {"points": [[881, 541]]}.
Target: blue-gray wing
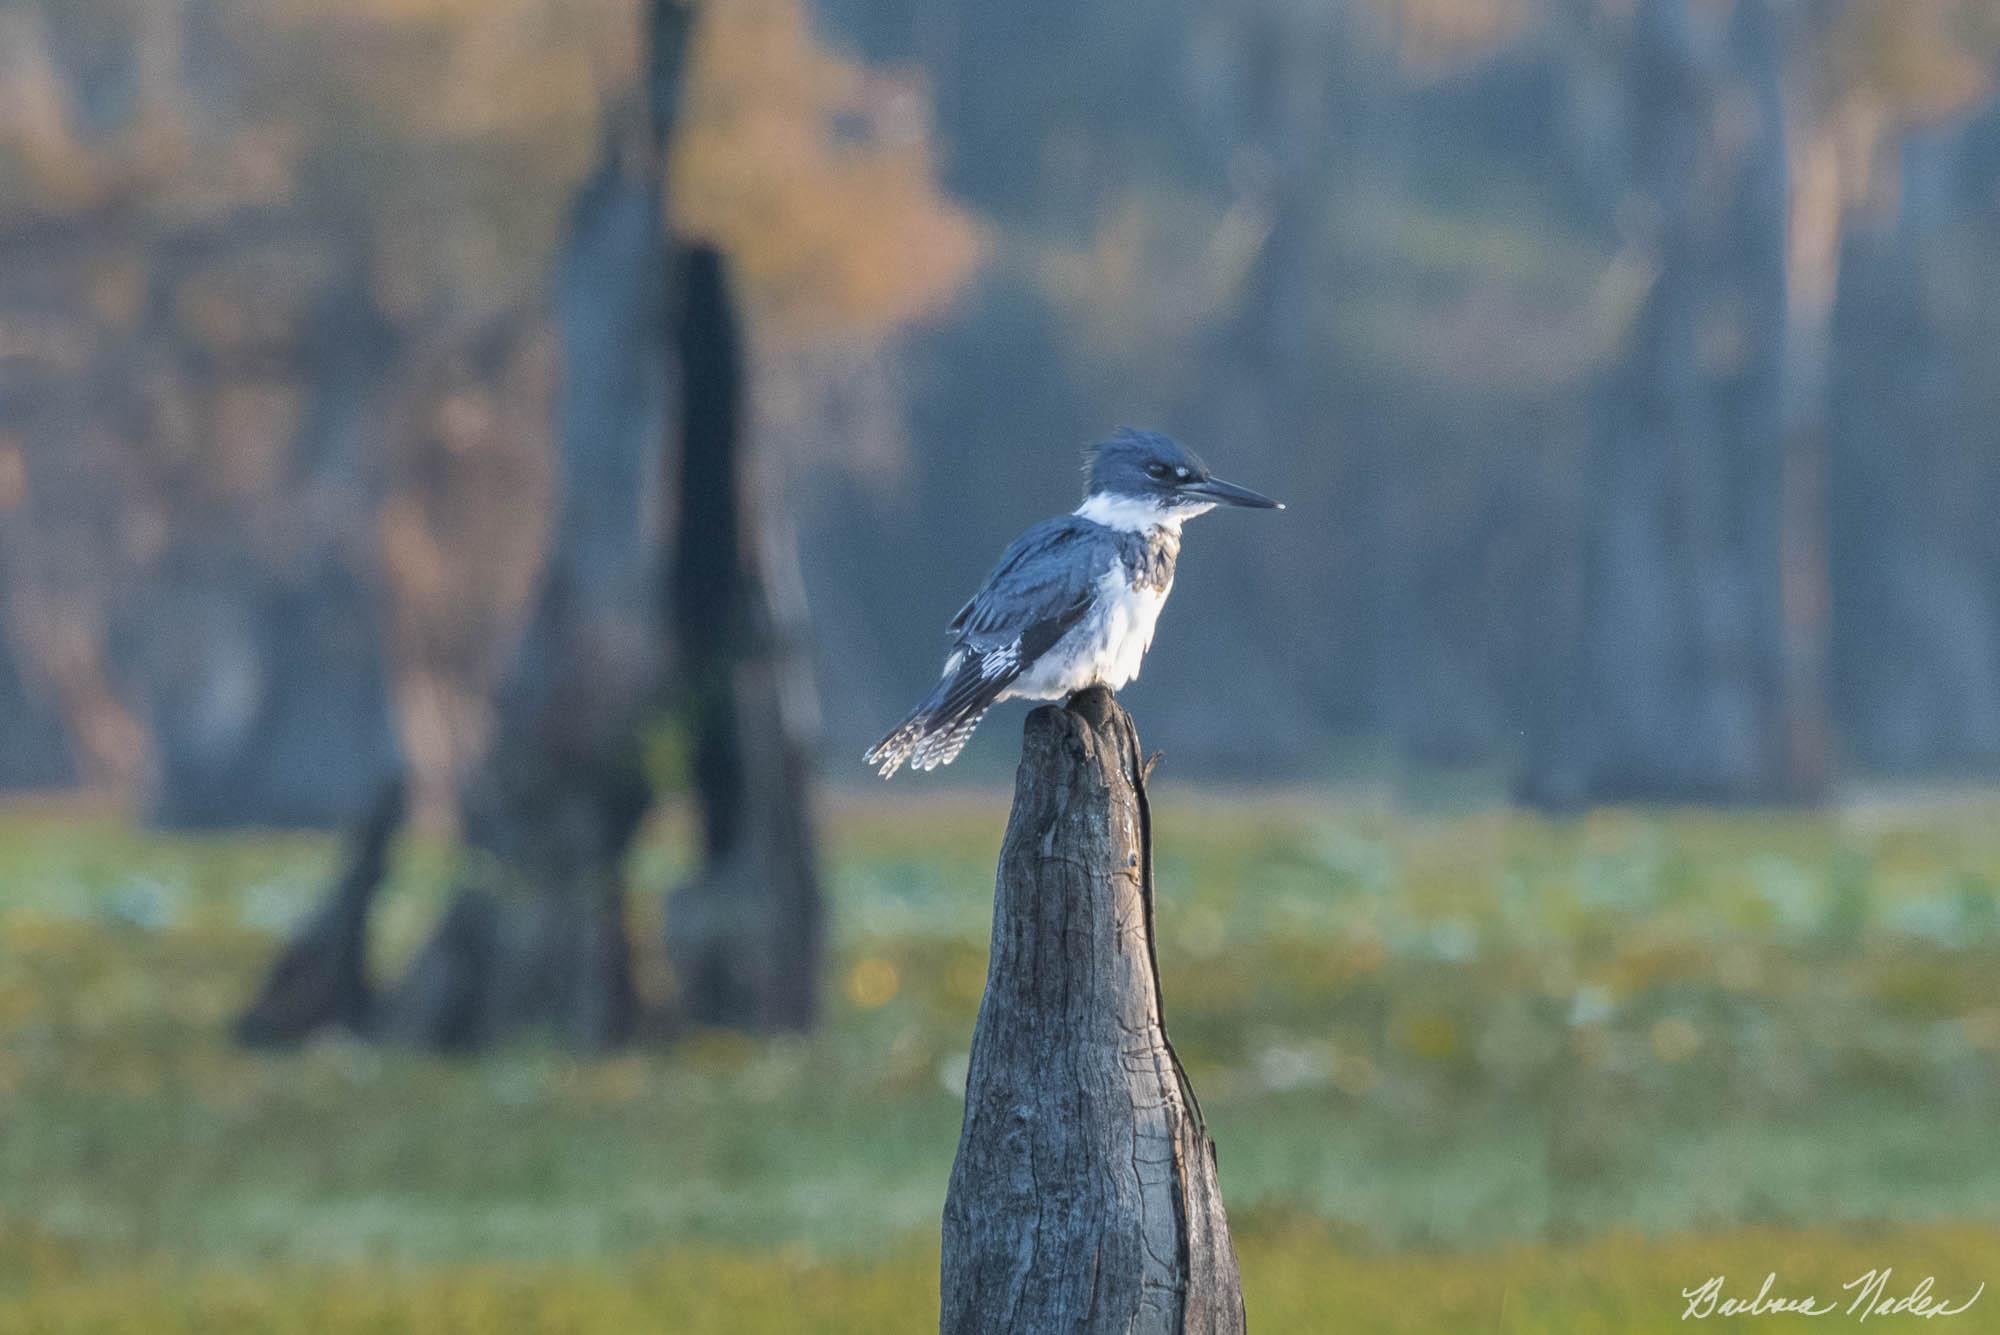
{"points": [[1041, 588]]}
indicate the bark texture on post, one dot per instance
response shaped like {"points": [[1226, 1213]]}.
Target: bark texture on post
{"points": [[1084, 1196]]}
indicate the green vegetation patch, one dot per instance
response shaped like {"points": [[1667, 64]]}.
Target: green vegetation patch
{"points": [[1418, 1034]]}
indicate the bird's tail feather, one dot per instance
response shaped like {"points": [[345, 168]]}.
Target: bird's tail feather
{"points": [[937, 730]]}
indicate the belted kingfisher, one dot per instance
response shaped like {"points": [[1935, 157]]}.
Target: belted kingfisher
{"points": [[1073, 602]]}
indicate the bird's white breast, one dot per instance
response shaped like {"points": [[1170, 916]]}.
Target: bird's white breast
{"points": [[1105, 649], [1130, 614]]}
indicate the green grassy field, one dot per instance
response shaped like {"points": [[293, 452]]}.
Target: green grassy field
{"points": [[1467, 1072]]}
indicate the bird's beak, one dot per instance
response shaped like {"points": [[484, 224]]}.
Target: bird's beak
{"points": [[1228, 493]]}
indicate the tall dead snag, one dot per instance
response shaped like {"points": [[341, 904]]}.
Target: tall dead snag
{"points": [[744, 935], [1687, 683], [534, 937], [1084, 1197]]}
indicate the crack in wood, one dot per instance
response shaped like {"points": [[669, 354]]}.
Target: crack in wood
{"points": [[1117, 1224]]}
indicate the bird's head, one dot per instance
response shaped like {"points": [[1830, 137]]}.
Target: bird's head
{"points": [[1145, 476]]}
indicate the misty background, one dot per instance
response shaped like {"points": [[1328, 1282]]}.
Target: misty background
{"points": [[1627, 368], [475, 474]]}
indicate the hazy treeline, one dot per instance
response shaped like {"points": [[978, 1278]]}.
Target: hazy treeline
{"points": [[1626, 366], [278, 424]]}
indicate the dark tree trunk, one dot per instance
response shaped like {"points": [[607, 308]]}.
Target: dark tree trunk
{"points": [[1084, 1196], [1286, 126], [1917, 619], [534, 938], [745, 935], [1685, 688], [321, 978]]}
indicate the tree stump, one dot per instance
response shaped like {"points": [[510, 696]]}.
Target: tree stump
{"points": [[1084, 1196], [534, 936], [321, 977], [746, 933]]}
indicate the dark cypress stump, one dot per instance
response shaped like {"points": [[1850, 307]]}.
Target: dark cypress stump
{"points": [[321, 977], [1084, 1197]]}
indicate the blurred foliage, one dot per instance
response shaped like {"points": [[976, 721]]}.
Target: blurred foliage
{"points": [[208, 205], [1436, 35], [816, 175], [1376, 255], [453, 132], [1458, 1032], [1912, 60]]}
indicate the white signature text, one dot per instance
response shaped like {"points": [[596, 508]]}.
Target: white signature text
{"points": [[1869, 1295]]}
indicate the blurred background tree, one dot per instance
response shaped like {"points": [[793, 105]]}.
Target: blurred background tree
{"points": [[279, 352], [399, 427], [314, 562]]}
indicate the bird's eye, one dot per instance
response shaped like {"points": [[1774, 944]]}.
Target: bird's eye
{"points": [[1158, 470]]}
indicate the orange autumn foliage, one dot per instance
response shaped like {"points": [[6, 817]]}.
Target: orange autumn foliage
{"points": [[817, 176]]}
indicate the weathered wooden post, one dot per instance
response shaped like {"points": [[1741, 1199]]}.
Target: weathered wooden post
{"points": [[1084, 1197]]}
